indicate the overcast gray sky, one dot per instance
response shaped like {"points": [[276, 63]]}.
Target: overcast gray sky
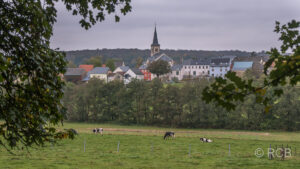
{"points": [[182, 24]]}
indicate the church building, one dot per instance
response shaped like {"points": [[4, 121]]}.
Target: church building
{"points": [[154, 56]]}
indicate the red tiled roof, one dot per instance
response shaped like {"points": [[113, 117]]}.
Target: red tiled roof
{"points": [[87, 68]]}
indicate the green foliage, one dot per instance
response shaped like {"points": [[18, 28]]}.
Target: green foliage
{"points": [[175, 79], [252, 74], [225, 92], [155, 103], [95, 60], [111, 64], [139, 62], [86, 9], [30, 85], [159, 67], [95, 100], [71, 65]]}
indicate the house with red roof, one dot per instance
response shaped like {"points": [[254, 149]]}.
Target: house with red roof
{"points": [[87, 68]]}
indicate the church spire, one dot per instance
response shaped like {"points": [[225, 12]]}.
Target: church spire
{"points": [[155, 47], [155, 40]]}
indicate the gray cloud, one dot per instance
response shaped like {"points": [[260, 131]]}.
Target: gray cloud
{"points": [[190, 24]]}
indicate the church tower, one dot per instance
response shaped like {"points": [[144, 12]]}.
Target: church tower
{"points": [[155, 47]]}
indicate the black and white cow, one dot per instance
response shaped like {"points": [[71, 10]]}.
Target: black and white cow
{"points": [[206, 140], [98, 130], [169, 134]]}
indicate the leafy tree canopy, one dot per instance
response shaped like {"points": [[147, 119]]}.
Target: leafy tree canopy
{"points": [[95, 60], [175, 105], [159, 67], [286, 70], [111, 64], [30, 85], [71, 65], [139, 62]]}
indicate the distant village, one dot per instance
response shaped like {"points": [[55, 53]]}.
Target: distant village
{"points": [[187, 69]]}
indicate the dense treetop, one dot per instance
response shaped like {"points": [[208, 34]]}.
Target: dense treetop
{"points": [[159, 67], [176, 105], [30, 84]]}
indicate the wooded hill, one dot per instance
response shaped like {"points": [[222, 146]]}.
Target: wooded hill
{"points": [[129, 56]]}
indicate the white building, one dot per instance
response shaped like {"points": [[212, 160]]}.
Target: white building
{"points": [[195, 68], [176, 72], [219, 67], [99, 73], [122, 68], [131, 74], [128, 74]]}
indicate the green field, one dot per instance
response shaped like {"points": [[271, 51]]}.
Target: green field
{"points": [[144, 147]]}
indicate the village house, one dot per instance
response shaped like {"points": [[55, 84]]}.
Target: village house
{"points": [[122, 68], [219, 67], [195, 68], [176, 72], [99, 73], [131, 74], [128, 73], [74, 74]]}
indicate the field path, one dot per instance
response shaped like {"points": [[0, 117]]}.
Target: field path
{"points": [[185, 131]]}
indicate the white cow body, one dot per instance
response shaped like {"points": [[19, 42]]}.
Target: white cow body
{"points": [[206, 140], [100, 130]]}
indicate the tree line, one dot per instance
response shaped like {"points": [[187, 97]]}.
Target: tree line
{"points": [[175, 105]]}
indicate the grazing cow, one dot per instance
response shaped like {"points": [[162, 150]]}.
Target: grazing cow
{"points": [[203, 139], [100, 130], [206, 140], [169, 134], [94, 130]]}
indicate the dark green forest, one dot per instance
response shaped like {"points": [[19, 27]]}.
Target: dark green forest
{"points": [[176, 105], [129, 56]]}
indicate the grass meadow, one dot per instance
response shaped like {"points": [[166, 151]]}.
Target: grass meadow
{"points": [[144, 147]]}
